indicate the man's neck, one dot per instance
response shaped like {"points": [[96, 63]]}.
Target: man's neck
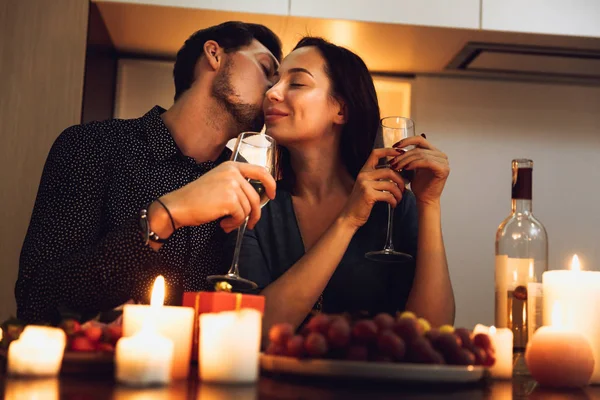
{"points": [[199, 130]]}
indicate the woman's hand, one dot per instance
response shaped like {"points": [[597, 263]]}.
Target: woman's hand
{"points": [[373, 185], [431, 168]]}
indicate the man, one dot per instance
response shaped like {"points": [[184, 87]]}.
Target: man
{"points": [[122, 201]]}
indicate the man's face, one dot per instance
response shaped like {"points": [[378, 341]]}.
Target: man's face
{"points": [[241, 83]]}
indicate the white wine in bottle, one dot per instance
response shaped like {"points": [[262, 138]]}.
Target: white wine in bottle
{"points": [[521, 258]]}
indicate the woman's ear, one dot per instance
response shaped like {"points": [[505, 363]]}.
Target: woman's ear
{"points": [[213, 53], [341, 116]]}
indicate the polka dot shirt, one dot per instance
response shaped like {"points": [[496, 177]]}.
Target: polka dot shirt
{"points": [[84, 250]]}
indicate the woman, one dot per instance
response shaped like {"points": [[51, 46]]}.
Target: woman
{"points": [[309, 246]]}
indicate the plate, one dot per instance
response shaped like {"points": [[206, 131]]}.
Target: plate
{"points": [[405, 372]]}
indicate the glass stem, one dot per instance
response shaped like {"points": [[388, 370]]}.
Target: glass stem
{"points": [[233, 270], [389, 245]]}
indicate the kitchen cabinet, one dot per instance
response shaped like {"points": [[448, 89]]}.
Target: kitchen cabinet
{"points": [[442, 13], [555, 17], [275, 7]]}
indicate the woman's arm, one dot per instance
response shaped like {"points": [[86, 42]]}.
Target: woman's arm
{"points": [[431, 296]]}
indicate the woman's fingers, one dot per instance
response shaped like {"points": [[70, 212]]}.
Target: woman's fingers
{"points": [[388, 186], [418, 141], [378, 154]]}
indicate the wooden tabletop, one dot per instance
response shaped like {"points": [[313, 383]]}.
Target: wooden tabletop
{"points": [[280, 387]]}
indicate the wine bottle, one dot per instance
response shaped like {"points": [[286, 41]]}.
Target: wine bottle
{"points": [[521, 258]]}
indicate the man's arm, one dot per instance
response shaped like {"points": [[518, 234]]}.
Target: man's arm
{"points": [[70, 258]]}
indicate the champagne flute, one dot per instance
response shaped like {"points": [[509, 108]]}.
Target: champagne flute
{"points": [[392, 130], [258, 149]]}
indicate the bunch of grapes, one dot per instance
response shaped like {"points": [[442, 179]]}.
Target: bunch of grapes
{"points": [[383, 338]]}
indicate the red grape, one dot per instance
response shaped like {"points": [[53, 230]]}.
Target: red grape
{"points": [[447, 343], [480, 355], [357, 353], [432, 334], [316, 345], [421, 351], [482, 340], [275, 349], [463, 357], [465, 337], [364, 331], [391, 345], [490, 359], [407, 329], [295, 346], [280, 333], [384, 321], [339, 333], [319, 323]]}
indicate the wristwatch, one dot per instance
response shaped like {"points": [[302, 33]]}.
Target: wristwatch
{"points": [[149, 235]]}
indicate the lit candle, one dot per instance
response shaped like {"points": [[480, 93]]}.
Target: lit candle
{"points": [[19, 389], [174, 323], [229, 346], [559, 357], [578, 293], [502, 340], [38, 352], [146, 358]]}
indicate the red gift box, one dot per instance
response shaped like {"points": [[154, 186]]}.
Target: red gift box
{"points": [[212, 302]]}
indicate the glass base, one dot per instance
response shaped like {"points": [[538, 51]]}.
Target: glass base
{"points": [[519, 365], [388, 256], [235, 281]]}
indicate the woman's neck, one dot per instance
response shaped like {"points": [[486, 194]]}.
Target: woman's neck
{"points": [[319, 171]]}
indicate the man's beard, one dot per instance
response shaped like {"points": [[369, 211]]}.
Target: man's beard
{"points": [[247, 117]]}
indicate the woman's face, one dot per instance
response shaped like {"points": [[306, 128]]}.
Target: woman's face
{"points": [[300, 107]]}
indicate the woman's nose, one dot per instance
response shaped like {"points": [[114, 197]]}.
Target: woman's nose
{"points": [[274, 93]]}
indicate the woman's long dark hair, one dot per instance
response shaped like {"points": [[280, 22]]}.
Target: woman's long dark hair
{"points": [[351, 83]]}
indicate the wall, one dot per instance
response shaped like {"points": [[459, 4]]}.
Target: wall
{"points": [[42, 53], [482, 125]]}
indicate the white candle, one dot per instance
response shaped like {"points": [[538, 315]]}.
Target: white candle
{"points": [[229, 346], [559, 357], [174, 323], [578, 292], [38, 351], [146, 358], [502, 340]]}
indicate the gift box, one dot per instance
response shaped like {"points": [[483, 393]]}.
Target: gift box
{"points": [[213, 302]]}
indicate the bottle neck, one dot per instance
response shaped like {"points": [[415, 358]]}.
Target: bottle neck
{"points": [[521, 206]]}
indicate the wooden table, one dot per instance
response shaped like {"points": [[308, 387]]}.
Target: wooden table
{"points": [[72, 387]]}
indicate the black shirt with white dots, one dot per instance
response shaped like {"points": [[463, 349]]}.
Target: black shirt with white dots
{"points": [[84, 250]]}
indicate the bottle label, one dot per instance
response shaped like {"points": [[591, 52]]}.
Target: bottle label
{"points": [[512, 274]]}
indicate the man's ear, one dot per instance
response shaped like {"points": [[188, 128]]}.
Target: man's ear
{"points": [[213, 53], [341, 116]]}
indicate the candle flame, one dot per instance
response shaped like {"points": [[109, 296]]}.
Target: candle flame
{"points": [[575, 265], [524, 314], [556, 314], [492, 330], [158, 292]]}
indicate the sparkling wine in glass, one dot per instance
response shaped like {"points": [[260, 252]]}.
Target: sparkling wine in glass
{"points": [[392, 130], [258, 149]]}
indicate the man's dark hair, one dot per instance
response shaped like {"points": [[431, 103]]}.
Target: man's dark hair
{"points": [[351, 83], [231, 36]]}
